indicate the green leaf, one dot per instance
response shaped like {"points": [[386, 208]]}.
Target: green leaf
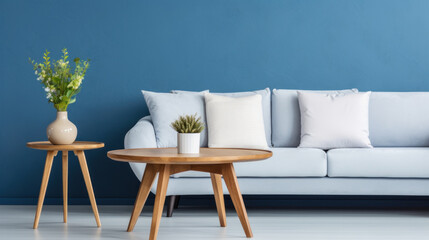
{"points": [[77, 91], [69, 93], [188, 124]]}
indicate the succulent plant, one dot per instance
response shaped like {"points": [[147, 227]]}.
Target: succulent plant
{"points": [[188, 124]]}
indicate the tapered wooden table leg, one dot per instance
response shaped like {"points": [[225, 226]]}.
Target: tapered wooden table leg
{"points": [[161, 191], [218, 194], [65, 184], [144, 190], [87, 178], [48, 166], [234, 191]]}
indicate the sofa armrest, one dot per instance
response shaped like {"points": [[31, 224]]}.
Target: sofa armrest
{"points": [[142, 135]]}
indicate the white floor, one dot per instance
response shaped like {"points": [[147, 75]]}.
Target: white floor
{"points": [[194, 223]]}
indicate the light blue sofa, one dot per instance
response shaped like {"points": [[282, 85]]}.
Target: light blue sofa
{"points": [[397, 165]]}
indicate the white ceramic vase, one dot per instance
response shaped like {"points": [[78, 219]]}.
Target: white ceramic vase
{"points": [[61, 131], [188, 143]]}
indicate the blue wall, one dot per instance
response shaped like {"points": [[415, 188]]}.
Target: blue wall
{"points": [[380, 45]]}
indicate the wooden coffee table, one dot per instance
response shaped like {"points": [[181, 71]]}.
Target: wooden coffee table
{"points": [[166, 161], [78, 148]]}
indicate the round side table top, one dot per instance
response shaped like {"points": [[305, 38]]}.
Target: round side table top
{"points": [[78, 145], [206, 155]]}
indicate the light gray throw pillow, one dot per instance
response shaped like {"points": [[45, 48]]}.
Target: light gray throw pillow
{"points": [[164, 108]]}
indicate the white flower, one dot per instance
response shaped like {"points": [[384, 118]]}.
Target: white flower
{"points": [[39, 78], [62, 63], [35, 72], [48, 96], [47, 89]]}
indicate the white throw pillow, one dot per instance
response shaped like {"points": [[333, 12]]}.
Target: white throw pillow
{"points": [[334, 120], [235, 122]]}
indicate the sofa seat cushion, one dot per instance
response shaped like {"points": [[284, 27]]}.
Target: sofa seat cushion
{"points": [[285, 162], [379, 162]]}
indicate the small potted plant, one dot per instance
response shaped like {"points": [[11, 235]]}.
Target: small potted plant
{"points": [[61, 85], [188, 130]]}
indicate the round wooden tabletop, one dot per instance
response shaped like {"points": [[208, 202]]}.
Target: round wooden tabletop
{"points": [[78, 145], [206, 155]]}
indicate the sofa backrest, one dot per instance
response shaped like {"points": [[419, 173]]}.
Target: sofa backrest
{"points": [[399, 119], [396, 119]]}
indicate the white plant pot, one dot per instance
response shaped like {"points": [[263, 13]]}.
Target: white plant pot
{"points": [[188, 143]]}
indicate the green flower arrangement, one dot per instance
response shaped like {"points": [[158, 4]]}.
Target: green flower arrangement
{"points": [[188, 124], [60, 83]]}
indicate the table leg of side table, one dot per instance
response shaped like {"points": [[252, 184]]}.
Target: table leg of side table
{"points": [[218, 194], [48, 166], [65, 184], [234, 191], [82, 161]]}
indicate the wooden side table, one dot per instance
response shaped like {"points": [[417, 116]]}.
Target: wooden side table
{"points": [[77, 147]]}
